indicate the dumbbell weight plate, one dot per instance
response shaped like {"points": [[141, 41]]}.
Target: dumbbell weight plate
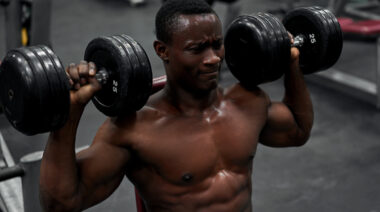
{"points": [[143, 75], [121, 94], [334, 46], [307, 21], [241, 38], [35, 105], [248, 47], [283, 42], [17, 89], [133, 73], [43, 89], [63, 87], [107, 54], [54, 103], [50, 81], [271, 40], [51, 104], [281, 49], [335, 39]]}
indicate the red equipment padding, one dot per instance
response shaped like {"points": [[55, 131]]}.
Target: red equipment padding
{"points": [[367, 30], [367, 27], [139, 202]]}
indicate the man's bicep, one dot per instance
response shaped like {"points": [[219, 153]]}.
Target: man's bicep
{"points": [[280, 128], [102, 168]]}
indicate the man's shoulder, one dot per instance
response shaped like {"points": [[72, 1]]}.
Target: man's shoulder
{"points": [[241, 94], [252, 102], [126, 130], [156, 106]]}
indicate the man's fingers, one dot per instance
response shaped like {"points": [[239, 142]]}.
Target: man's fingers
{"points": [[91, 76], [83, 82], [68, 76], [92, 70], [72, 71], [82, 74], [83, 70], [291, 38]]}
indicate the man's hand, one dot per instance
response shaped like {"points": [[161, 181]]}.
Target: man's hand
{"points": [[83, 83], [294, 54]]}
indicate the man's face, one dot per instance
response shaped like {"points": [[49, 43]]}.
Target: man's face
{"points": [[196, 52]]}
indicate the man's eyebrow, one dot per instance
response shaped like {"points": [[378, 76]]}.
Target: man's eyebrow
{"points": [[194, 42], [202, 42]]}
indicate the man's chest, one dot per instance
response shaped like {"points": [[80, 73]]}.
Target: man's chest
{"points": [[188, 148]]}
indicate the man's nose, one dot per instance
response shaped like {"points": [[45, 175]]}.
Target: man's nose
{"points": [[212, 58]]}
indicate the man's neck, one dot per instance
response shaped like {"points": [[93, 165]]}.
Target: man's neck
{"points": [[192, 103]]}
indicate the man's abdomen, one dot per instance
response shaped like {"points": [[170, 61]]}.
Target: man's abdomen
{"points": [[224, 191]]}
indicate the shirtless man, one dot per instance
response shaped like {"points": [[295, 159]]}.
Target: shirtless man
{"points": [[192, 146]]}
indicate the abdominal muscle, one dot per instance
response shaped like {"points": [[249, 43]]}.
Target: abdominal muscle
{"points": [[224, 191]]}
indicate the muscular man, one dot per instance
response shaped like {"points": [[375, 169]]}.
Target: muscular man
{"points": [[192, 146]]}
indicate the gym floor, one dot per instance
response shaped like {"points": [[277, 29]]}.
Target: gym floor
{"points": [[337, 170]]}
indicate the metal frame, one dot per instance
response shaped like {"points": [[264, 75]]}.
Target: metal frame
{"points": [[337, 6], [10, 190], [356, 9], [20, 189], [40, 23], [13, 24]]}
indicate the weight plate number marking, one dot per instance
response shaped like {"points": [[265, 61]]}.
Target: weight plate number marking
{"points": [[115, 85], [312, 38]]}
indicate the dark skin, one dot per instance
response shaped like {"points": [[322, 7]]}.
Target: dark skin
{"points": [[191, 147]]}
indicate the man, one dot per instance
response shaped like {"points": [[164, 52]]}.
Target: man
{"points": [[191, 148]]}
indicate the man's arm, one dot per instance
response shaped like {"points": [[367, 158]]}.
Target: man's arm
{"points": [[289, 123], [70, 182]]}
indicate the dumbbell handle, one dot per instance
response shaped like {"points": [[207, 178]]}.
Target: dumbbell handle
{"points": [[299, 40], [102, 76], [158, 83]]}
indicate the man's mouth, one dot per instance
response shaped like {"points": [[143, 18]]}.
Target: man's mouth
{"points": [[211, 71], [209, 74]]}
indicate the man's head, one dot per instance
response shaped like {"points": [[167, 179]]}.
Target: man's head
{"points": [[168, 15], [190, 43]]}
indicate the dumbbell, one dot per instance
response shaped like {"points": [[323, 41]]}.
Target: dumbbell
{"points": [[258, 45], [34, 87]]}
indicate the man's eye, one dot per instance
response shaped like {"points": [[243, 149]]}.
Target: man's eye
{"points": [[217, 45], [196, 48]]}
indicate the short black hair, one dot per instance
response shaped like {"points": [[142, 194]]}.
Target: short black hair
{"points": [[167, 16]]}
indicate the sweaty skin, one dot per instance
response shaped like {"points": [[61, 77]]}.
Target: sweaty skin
{"points": [[191, 148]]}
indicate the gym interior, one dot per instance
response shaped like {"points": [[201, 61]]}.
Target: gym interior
{"points": [[337, 170]]}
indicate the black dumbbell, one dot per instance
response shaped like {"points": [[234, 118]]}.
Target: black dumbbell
{"points": [[34, 88], [258, 46]]}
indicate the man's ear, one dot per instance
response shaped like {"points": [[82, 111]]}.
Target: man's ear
{"points": [[161, 50]]}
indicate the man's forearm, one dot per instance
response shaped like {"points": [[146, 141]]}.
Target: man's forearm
{"points": [[59, 182], [297, 98]]}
